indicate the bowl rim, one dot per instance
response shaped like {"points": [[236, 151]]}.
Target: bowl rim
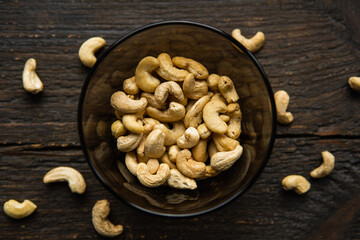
{"points": [[195, 24]]}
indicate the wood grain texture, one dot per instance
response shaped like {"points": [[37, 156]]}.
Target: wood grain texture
{"points": [[312, 47]]}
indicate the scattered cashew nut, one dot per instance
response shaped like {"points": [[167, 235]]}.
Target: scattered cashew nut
{"points": [[153, 180], [101, 224], [31, 80], [227, 89], [179, 181], [124, 104], [192, 66], [297, 183], [73, 177], [189, 138], [282, 99], [144, 80], [167, 71], [194, 89], [326, 167], [17, 210], [88, 49], [253, 44], [130, 87], [354, 83]]}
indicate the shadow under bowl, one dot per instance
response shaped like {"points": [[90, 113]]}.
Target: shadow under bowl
{"points": [[221, 54]]}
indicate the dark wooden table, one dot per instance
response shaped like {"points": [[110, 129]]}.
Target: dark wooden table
{"points": [[311, 49]]}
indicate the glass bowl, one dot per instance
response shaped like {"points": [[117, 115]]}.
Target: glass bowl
{"points": [[221, 54]]}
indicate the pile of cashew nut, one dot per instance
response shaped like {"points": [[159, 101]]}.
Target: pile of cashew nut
{"points": [[176, 123]]}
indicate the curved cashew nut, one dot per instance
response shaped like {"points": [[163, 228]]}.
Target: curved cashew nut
{"points": [[224, 143], [101, 224], [154, 144], [326, 167], [153, 165], [167, 71], [199, 152], [130, 87], [222, 161], [189, 138], [211, 116], [124, 104], [73, 177], [31, 80], [153, 180], [88, 49], [282, 99], [253, 44], [192, 66], [234, 125], [297, 183], [204, 132], [152, 101], [131, 162], [193, 117], [188, 166], [117, 129], [17, 210], [174, 113], [179, 181], [173, 151], [171, 135], [213, 81], [133, 123], [144, 80], [354, 83], [227, 89], [165, 159], [129, 142], [194, 89], [164, 89]]}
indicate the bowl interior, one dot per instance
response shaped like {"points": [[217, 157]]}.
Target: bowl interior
{"points": [[220, 54]]}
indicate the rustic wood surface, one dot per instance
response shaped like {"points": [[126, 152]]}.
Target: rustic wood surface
{"points": [[312, 47]]}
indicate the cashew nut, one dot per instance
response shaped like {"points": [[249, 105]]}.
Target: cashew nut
{"points": [[179, 181], [253, 44], [122, 103], [73, 177], [173, 151], [144, 80], [297, 183], [130, 87], [227, 89], [132, 123], [174, 113], [171, 135], [189, 138], [326, 167], [224, 143], [234, 125], [153, 165], [192, 66], [31, 80], [88, 49], [212, 82], [282, 99], [194, 89], [164, 89], [167, 71], [153, 180], [219, 97], [129, 142], [222, 161], [165, 159], [211, 116], [204, 132], [131, 162], [212, 149], [101, 224], [193, 117], [188, 166], [152, 101], [154, 144], [199, 152], [17, 210], [354, 83]]}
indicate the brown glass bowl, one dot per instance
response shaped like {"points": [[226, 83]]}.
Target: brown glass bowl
{"points": [[221, 54]]}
